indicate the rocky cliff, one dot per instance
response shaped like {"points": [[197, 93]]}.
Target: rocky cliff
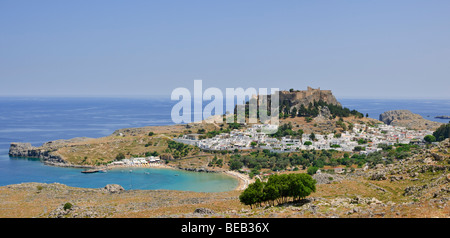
{"points": [[408, 119], [304, 97], [46, 152], [25, 150]]}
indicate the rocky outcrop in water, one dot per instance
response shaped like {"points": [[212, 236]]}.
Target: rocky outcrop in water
{"points": [[26, 150], [406, 118], [44, 152]]}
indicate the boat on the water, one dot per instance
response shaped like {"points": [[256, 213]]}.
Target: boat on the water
{"points": [[90, 171], [443, 117]]}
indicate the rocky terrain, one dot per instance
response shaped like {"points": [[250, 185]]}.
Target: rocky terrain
{"points": [[47, 152], [418, 186], [323, 125], [304, 97], [405, 118]]}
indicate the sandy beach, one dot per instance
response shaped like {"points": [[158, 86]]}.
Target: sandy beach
{"points": [[149, 165], [244, 180]]}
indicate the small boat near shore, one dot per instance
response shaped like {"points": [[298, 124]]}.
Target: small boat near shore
{"points": [[90, 171]]}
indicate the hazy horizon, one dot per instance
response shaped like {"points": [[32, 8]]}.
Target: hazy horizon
{"points": [[356, 49], [167, 97]]}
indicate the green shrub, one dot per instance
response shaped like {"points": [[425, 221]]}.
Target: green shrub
{"points": [[120, 156], [442, 132], [68, 205], [312, 170]]}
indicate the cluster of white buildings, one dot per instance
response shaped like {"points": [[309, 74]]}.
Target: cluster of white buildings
{"points": [[137, 162], [370, 137], [234, 140], [257, 137]]}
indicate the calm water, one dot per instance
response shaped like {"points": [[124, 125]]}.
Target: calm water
{"points": [[428, 109], [38, 120]]}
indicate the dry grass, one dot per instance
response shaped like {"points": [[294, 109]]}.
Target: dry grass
{"points": [[321, 126], [26, 200]]}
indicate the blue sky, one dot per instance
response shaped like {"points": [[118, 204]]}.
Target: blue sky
{"points": [[357, 49]]}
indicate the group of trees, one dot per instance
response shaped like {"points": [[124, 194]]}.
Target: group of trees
{"points": [[120, 156], [154, 153], [312, 110], [286, 130], [429, 138], [287, 109], [177, 149], [264, 159], [258, 160], [442, 132], [216, 162], [211, 134], [278, 189]]}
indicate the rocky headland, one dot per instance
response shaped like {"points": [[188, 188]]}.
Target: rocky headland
{"points": [[406, 118], [47, 153]]}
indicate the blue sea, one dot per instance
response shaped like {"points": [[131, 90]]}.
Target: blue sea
{"points": [[38, 120], [427, 108]]}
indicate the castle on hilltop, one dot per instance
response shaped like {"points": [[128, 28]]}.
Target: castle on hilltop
{"points": [[296, 98], [299, 97]]}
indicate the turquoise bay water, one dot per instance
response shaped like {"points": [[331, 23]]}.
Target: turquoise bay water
{"points": [[15, 171], [38, 120]]}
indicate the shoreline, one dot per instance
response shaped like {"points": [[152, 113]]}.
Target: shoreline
{"points": [[244, 180], [153, 165]]}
